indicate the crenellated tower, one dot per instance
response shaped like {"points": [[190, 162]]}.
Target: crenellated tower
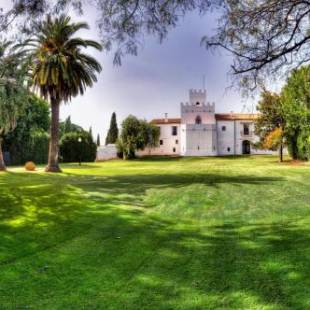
{"points": [[198, 110]]}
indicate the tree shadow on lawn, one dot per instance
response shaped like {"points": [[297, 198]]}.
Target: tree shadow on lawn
{"points": [[72, 247]]}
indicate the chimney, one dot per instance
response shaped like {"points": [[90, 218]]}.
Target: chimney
{"points": [[166, 117]]}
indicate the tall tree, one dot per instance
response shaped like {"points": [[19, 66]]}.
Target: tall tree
{"points": [[90, 131], [270, 120], [98, 140], [113, 131], [296, 109], [60, 69], [12, 91]]}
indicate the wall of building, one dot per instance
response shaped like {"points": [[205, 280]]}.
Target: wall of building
{"points": [[200, 140], [226, 131], [170, 144]]}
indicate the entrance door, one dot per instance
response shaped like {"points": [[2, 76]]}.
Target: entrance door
{"points": [[246, 147]]}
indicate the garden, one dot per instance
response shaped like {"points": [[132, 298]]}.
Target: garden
{"points": [[157, 233]]}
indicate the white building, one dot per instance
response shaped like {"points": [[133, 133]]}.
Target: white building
{"points": [[202, 132]]}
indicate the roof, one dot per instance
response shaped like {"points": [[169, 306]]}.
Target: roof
{"points": [[219, 117], [235, 116], [159, 121]]}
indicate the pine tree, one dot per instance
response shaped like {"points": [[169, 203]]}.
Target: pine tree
{"points": [[113, 131], [98, 140]]}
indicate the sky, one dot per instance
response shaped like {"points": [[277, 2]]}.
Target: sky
{"points": [[157, 80]]}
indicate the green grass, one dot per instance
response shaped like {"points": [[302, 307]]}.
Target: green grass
{"points": [[192, 233]]}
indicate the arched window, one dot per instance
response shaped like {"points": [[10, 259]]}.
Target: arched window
{"points": [[198, 120], [197, 103]]}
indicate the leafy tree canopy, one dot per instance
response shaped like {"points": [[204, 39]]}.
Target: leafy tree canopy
{"points": [[266, 37], [136, 135]]}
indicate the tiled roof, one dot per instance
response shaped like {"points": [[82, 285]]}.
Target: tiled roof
{"points": [[219, 117], [159, 121], [235, 116]]}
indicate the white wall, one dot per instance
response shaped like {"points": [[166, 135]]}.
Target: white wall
{"points": [[169, 142], [225, 139]]}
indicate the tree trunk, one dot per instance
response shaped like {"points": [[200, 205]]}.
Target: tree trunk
{"points": [[2, 164], [53, 165], [281, 153]]}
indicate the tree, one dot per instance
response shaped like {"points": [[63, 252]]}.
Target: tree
{"points": [[136, 135], [98, 140], [296, 110], [28, 141], [266, 37], [90, 131], [270, 122], [78, 147], [12, 91], [67, 126], [113, 131], [60, 69]]}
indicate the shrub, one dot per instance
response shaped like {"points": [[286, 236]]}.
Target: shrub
{"points": [[71, 150], [30, 166]]}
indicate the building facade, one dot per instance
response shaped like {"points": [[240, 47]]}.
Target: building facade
{"points": [[202, 132]]}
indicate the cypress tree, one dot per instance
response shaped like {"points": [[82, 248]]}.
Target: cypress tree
{"points": [[113, 131], [98, 140]]}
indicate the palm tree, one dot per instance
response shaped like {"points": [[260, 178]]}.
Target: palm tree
{"points": [[60, 70]]}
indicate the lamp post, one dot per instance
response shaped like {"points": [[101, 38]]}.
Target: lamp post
{"points": [[80, 148]]}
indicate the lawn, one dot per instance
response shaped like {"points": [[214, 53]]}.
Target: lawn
{"points": [[192, 233]]}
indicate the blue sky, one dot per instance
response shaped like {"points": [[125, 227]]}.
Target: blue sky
{"points": [[157, 80]]}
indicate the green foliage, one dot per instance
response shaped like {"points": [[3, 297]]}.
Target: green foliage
{"points": [[136, 135], [295, 99], [73, 150], [28, 140], [113, 131], [60, 69], [98, 140], [67, 126]]}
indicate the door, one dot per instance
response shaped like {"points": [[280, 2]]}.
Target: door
{"points": [[246, 147]]}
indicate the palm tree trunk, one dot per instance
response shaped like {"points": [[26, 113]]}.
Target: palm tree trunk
{"points": [[2, 164], [53, 165]]}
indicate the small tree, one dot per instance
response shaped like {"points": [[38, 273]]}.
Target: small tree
{"points": [[136, 135], [113, 131], [270, 121]]}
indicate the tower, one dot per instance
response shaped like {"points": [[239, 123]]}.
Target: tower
{"points": [[197, 97]]}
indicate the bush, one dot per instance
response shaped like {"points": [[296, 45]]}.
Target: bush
{"points": [[30, 166], [71, 150]]}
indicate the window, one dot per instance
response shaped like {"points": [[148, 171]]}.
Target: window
{"points": [[228, 149], [198, 148], [173, 150], [197, 103], [174, 130], [176, 141], [161, 142], [246, 129], [198, 120], [223, 128]]}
